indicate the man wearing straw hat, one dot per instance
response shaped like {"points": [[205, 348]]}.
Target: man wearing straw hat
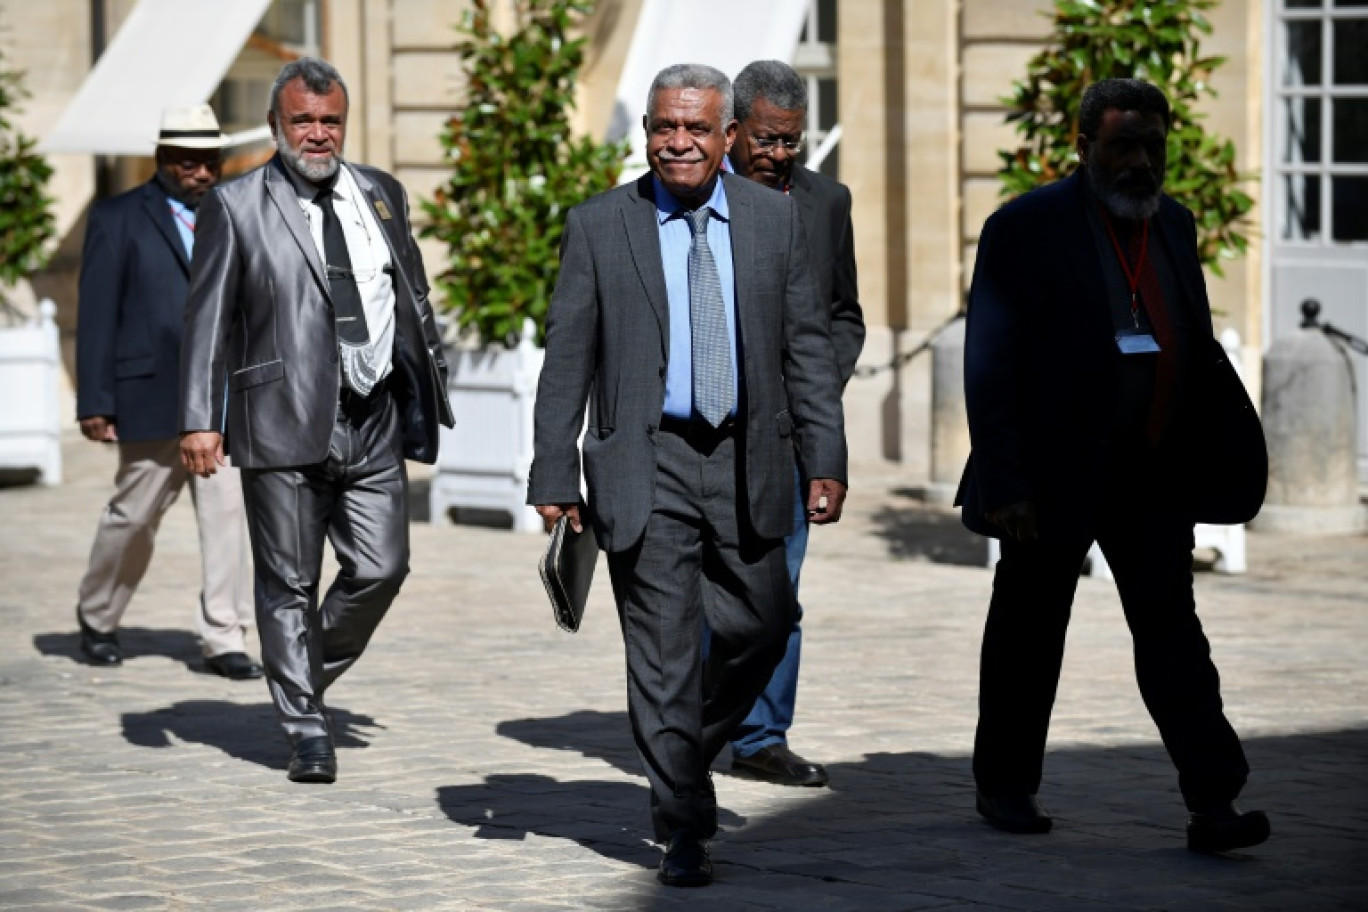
{"points": [[135, 278]]}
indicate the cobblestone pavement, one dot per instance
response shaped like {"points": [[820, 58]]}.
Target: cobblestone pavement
{"points": [[487, 763]]}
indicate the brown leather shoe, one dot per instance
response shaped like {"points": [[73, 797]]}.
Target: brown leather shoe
{"points": [[780, 765]]}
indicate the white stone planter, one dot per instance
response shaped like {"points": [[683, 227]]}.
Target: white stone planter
{"points": [[483, 463], [30, 359]]}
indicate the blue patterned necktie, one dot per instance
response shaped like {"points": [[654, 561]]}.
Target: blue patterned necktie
{"points": [[713, 393]]}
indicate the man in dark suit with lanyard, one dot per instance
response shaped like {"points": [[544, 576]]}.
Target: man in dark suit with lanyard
{"points": [[771, 111], [686, 317], [1087, 344], [310, 302], [135, 276]]}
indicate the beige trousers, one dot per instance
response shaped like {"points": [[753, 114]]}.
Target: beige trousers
{"points": [[149, 480]]}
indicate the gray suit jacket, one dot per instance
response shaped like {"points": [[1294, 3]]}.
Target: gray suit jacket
{"points": [[824, 206], [261, 320], [607, 343]]}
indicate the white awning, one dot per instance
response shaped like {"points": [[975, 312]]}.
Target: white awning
{"points": [[167, 53], [720, 33]]}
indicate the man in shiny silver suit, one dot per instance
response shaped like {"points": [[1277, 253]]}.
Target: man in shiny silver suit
{"points": [[308, 301]]}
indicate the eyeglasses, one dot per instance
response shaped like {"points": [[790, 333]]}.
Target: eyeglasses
{"points": [[772, 143], [194, 164]]}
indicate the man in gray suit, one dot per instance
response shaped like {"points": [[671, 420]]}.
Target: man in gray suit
{"points": [[686, 317], [308, 301]]}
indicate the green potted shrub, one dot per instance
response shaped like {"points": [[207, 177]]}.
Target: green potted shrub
{"points": [[516, 169], [1157, 42]]}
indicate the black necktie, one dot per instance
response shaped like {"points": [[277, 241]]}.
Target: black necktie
{"points": [[352, 334]]}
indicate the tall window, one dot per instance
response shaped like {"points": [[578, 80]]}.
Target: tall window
{"points": [[289, 29], [815, 61], [1321, 164]]}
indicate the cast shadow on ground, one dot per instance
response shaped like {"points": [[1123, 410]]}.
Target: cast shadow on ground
{"points": [[916, 530], [609, 817], [245, 731], [900, 830], [135, 642]]}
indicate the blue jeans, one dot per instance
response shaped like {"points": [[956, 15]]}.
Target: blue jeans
{"points": [[772, 714]]}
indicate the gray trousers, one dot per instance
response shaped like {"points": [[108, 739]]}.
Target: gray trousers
{"points": [[696, 561], [358, 500], [149, 479]]}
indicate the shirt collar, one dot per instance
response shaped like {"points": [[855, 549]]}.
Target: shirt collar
{"points": [[667, 206], [306, 190]]}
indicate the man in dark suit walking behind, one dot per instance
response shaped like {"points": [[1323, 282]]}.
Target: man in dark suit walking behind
{"points": [[771, 110], [686, 316], [135, 276], [309, 301], [1089, 338]]}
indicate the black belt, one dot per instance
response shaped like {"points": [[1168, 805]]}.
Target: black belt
{"points": [[353, 402], [697, 430]]}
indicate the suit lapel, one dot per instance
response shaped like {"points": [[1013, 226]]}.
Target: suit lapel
{"points": [[802, 194], [643, 237], [282, 192], [743, 235], [159, 211]]}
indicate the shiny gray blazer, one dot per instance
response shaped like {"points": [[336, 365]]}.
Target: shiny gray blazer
{"points": [[261, 320], [607, 344]]}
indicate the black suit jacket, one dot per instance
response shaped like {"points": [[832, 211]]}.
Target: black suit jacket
{"points": [[260, 319], [135, 277], [607, 344], [824, 207], [1041, 369]]}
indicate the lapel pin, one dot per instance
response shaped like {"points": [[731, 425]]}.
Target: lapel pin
{"points": [[381, 208]]}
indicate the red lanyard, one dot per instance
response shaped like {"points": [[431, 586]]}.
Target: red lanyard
{"points": [[181, 217], [1132, 276]]}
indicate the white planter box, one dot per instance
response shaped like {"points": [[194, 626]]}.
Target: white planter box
{"points": [[30, 359], [483, 463]]}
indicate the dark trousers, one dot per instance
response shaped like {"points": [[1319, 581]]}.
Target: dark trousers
{"points": [[358, 500], [771, 717], [1149, 548], [696, 562]]}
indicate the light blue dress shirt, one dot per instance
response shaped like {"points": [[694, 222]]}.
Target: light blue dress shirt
{"points": [[184, 217], [675, 238]]}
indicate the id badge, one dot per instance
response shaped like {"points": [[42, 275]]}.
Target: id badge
{"points": [[1136, 343]]}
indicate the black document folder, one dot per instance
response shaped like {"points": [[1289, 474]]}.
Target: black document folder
{"points": [[567, 569]]}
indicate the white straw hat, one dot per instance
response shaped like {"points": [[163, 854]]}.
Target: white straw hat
{"points": [[191, 127]]}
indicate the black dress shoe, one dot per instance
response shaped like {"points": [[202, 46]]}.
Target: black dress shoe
{"points": [[1014, 813], [686, 862], [235, 665], [99, 648], [1225, 828], [314, 761], [777, 764]]}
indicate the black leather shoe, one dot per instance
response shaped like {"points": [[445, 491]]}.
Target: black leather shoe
{"points": [[1014, 813], [1225, 828], [314, 761], [235, 665], [99, 648], [686, 862], [777, 764]]}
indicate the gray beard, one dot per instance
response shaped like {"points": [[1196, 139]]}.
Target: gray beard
{"points": [[316, 173], [1122, 205]]}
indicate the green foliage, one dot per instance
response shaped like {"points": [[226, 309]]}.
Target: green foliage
{"points": [[26, 219], [1154, 40], [516, 169]]}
